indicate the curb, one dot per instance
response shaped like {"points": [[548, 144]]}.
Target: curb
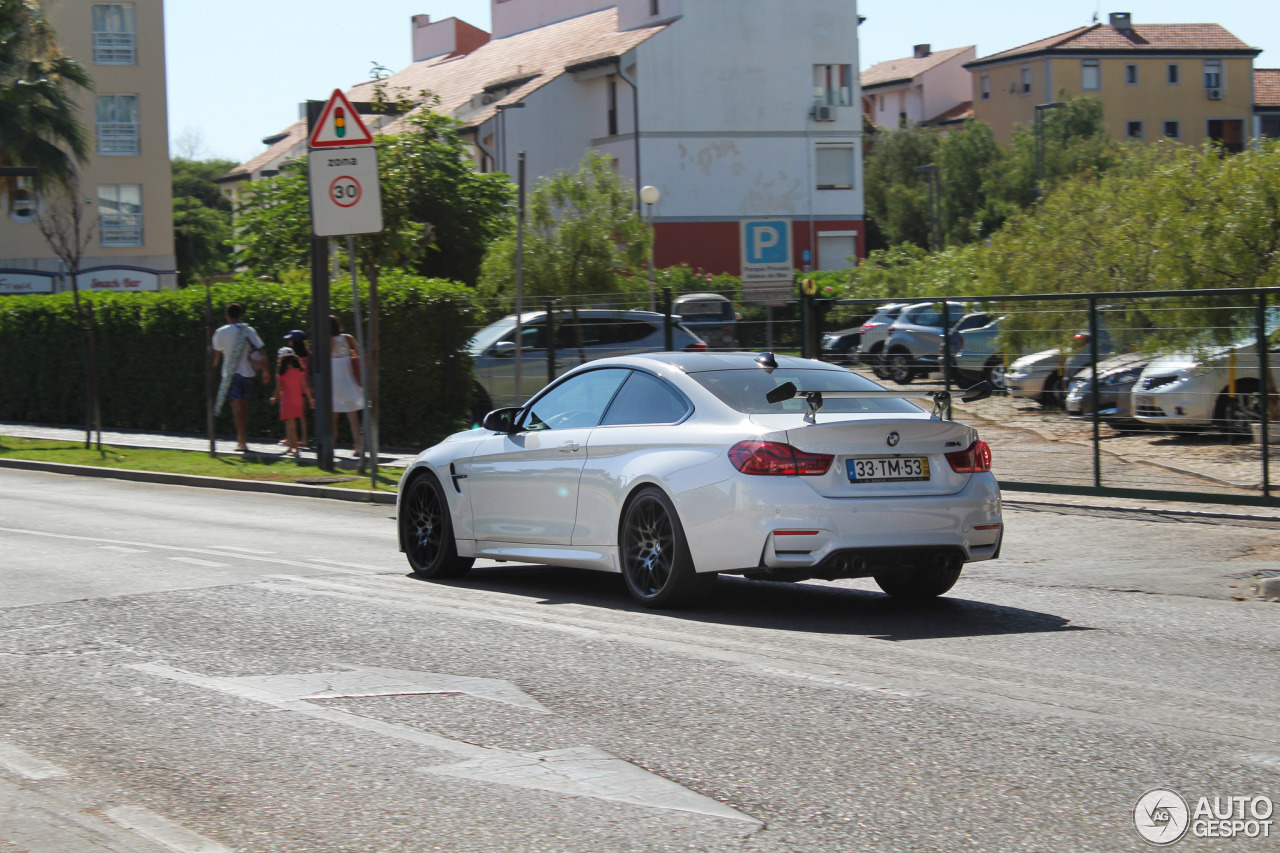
{"points": [[202, 482]]}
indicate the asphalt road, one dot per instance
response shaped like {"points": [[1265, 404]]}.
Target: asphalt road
{"points": [[203, 671]]}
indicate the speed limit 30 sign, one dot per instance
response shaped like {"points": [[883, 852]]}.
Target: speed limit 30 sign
{"points": [[345, 196]]}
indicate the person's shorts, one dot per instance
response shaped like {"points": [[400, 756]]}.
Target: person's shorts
{"points": [[240, 386]]}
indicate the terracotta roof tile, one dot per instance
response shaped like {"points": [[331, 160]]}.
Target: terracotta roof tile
{"points": [[959, 112], [906, 68], [1141, 37], [294, 135], [457, 79], [1266, 88]]}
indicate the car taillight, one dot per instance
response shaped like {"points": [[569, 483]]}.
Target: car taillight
{"points": [[868, 327], [776, 458], [972, 460], [696, 347]]}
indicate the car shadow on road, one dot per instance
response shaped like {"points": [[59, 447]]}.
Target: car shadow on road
{"points": [[809, 607]]}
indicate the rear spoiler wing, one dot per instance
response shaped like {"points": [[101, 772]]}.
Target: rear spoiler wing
{"points": [[813, 399]]}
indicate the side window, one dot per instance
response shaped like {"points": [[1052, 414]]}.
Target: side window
{"points": [[973, 321], [629, 331], [928, 317], [576, 403], [532, 336], [645, 399]]}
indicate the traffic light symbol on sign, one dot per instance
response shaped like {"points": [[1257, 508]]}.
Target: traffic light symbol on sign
{"points": [[340, 122], [339, 125]]}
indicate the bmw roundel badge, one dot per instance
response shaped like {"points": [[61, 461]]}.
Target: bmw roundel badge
{"points": [[892, 440]]}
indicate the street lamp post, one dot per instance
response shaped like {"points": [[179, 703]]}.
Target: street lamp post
{"points": [[935, 206], [1041, 109], [650, 195], [502, 132]]}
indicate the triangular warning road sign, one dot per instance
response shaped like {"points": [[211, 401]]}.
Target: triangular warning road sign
{"points": [[339, 125]]}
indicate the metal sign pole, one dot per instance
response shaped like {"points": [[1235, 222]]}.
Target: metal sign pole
{"points": [[519, 274], [321, 369]]}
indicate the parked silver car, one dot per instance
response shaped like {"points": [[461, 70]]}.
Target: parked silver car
{"points": [[598, 333], [874, 333], [1045, 375]]}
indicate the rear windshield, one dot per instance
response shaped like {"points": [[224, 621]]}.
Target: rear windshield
{"points": [[745, 390], [705, 310]]}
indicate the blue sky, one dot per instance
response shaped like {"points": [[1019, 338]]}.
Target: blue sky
{"points": [[238, 69]]}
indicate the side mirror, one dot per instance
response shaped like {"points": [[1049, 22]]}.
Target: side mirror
{"points": [[785, 391], [501, 420], [981, 391], [503, 349]]}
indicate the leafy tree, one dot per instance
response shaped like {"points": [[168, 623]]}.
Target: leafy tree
{"points": [[897, 197], [38, 124], [201, 218], [273, 224]]}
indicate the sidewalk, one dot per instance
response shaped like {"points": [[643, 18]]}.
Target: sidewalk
{"points": [[342, 458]]}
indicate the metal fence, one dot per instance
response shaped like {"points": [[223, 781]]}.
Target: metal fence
{"points": [[1183, 391]]}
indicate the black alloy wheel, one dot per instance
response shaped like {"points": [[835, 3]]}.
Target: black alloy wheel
{"points": [[900, 369], [426, 530], [1236, 415], [994, 372], [655, 557]]}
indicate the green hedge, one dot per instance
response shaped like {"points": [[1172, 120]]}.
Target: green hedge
{"points": [[151, 349]]}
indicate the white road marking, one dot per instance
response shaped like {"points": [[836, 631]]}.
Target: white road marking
{"points": [[255, 558], [1271, 762], [28, 766], [122, 549], [240, 550], [380, 681], [329, 562], [581, 771], [161, 830], [196, 561]]}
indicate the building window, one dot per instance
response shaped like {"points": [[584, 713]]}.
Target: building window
{"points": [[1090, 75], [1026, 79], [1270, 127], [833, 85], [120, 214], [834, 164], [1174, 72], [115, 34], [1133, 129], [1213, 73], [25, 205], [653, 7], [117, 126], [1131, 73], [613, 107], [1172, 130], [985, 84]]}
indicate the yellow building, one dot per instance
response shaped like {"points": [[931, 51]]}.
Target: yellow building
{"points": [[1190, 82], [125, 185]]}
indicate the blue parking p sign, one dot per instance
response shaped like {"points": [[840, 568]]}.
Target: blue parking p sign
{"points": [[768, 272], [765, 241]]}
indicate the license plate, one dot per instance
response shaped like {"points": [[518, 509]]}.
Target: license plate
{"points": [[887, 469]]}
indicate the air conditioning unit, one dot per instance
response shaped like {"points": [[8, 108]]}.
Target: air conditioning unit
{"points": [[1214, 94], [822, 112]]}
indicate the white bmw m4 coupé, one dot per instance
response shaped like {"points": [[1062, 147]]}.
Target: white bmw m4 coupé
{"points": [[673, 468]]}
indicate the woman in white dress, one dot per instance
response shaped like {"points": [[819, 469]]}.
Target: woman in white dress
{"points": [[348, 395]]}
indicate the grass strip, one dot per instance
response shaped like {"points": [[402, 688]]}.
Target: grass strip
{"points": [[236, 466]]}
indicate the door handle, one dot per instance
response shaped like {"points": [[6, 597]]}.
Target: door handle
{"points": [[569, 447]]}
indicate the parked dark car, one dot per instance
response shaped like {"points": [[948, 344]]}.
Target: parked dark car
{"points": [[841, 346], [1116, 378]]}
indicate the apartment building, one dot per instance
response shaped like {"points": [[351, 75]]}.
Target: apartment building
{"points": [[1189, 82], [928, 87], [125, 185], [732, 109]]}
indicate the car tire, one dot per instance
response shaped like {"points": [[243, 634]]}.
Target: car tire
{"points": [[877, 361], [921, 581], [899, 367], [994, 372], [1236, 416], [656, 563], [426, 531], [1054, 393]]}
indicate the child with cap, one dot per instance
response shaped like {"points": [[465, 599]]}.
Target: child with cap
{"points": [[291, 387], [297, 340]]}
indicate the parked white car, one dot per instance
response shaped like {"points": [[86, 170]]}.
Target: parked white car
{"points": [[1193, 391], [1046, 375], [670, 468]]}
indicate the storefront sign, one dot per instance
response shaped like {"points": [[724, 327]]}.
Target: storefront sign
{"points": [[25, 282], [120, 280]]}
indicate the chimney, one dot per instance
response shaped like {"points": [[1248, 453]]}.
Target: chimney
{"points": [[1122, 20], [449, 37], [922, 50]]}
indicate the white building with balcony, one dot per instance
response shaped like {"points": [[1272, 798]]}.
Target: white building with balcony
{"points": [[927, 87], [732, 109]]}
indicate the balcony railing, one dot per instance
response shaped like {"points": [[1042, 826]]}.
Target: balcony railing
{"points": [[121, 229], [115, 48], [117, 138]]}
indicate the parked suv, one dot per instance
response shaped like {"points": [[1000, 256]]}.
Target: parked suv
{"points": [[973, 351], [911, 348], [874, 333], [597, 334]]}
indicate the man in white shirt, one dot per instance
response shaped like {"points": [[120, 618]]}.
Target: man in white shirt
{"points": [[232, 345]]}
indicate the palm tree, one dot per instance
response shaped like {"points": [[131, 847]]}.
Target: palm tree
{"points": [[38, 124]]}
